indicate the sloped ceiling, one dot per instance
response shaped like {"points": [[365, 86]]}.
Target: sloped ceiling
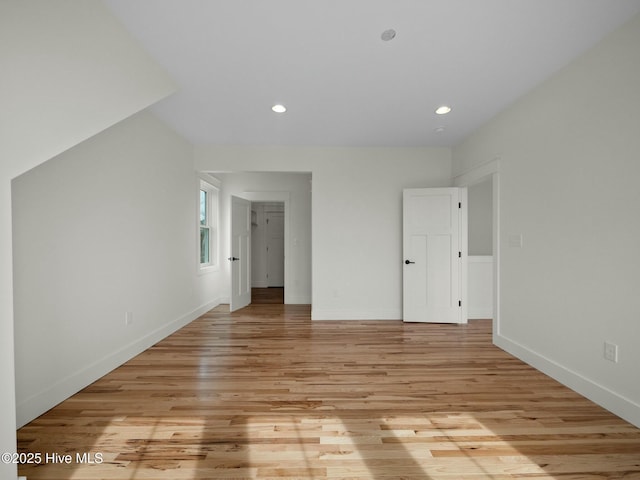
{"points": [[341, 83]]}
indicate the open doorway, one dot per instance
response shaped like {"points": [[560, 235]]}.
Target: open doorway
{"points": [[291, 189], [488, 172], [480, 241], [267, 252]]}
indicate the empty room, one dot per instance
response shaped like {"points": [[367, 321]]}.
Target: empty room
{"points": [[319, 239]]}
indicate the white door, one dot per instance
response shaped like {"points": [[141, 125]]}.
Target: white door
{"points": [[240, 253], [275, 249], [435, 250]]}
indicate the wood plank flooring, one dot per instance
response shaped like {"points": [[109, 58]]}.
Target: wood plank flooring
{"points": [[267, 295], [266, 393]]}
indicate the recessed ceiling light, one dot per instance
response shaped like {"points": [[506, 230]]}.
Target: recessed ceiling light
{"points": [[443, 110], [279, 108], [388, 35]]}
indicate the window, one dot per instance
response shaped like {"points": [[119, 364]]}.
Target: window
{"points": [[208, 216]]}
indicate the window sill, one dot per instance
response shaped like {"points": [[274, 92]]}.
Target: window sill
{"points": [[207, 269]]}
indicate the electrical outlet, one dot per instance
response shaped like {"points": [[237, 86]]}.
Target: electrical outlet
{"points": [[515, 240], [128, 318], [611, 352]]}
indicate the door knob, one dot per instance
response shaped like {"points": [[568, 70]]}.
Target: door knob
{"points": [[233, 259], [407, 262]]}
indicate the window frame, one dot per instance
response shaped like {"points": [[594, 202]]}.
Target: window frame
{"points": [[211, 222]]}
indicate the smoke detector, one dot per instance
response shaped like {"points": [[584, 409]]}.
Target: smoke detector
{"points": [[388, 35]]}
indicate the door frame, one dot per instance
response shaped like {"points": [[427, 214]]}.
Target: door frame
{"points": [[489, 171], [283, 197]]}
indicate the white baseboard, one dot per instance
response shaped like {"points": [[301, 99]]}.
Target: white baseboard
{"points": [[606, 398], [39, 403], [259, 284], [355, 314]]}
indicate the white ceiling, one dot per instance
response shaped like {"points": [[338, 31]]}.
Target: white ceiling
{"points": [[344, 86]]}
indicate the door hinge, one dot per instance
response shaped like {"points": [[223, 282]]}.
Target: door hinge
{"points": [[459, 303], [459, 204], [267, 220], [459, 254]]}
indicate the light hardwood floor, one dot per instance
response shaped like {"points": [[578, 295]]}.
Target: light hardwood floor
{"points": [[266, 393], [267, 295]]}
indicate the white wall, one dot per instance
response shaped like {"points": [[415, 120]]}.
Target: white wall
{"points": [[55, 92], [69, 70], [480, 218], [106, 228], [7, 382], [480, 286], [569, 175], [356, 216], [298, 185]]}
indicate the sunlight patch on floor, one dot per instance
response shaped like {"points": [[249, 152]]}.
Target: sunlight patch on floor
{"points": [[419, 447], [151, 439]]}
